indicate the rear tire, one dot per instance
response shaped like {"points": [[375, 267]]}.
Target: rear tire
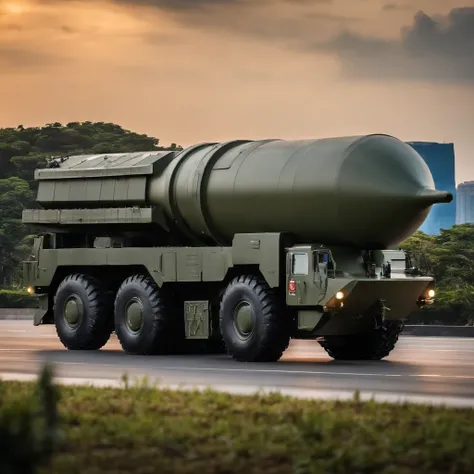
{"points": [[253, 325], [368, 346], [143, 322], [83, 313]]}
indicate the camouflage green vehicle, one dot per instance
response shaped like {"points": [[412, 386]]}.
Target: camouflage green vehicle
{"points": [[234, 247]]}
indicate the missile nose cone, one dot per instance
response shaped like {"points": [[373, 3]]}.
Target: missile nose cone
{"points": [[389, 191], [432, 196]]}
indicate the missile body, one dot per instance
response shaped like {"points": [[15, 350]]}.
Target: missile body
{"points": [[366, 192]]}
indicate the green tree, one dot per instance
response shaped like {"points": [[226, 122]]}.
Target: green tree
{"points": [[22, 150], [15, 195], [449, 257]]}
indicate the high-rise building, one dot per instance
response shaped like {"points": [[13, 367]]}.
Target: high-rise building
{"points": [[441, 161], [465, 204]]}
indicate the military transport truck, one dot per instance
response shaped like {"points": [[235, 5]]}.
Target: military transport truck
{"points": [[241, 245]]}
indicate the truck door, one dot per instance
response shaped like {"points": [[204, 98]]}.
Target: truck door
{"points": [[298, 266], [307, 276]]}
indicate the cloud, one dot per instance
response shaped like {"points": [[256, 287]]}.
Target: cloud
{"points": [[17, 59], [438, 49], [390, 7], [173, 5], [180, 4], [281, 22], [183, 5]]}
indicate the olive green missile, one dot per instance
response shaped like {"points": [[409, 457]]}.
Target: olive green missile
{"points": [[368, 191]]}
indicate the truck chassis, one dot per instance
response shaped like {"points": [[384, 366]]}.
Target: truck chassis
{"points": [[247, 300]]}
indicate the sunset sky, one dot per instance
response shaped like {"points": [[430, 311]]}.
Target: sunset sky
{"points": [[188, 71]]}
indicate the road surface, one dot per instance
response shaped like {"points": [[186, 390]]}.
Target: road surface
{"points": [[432, 370]]}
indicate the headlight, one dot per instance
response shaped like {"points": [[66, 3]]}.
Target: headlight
{"points": [[431, 294], [339, 295], [30, 290]]}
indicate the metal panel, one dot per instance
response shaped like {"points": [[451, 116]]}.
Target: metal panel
{"points": [[105, 165], [189, 265], [88, 216], [215, 265], [30, 272], [107, 190], [308, 319], [121, 189], [168, 266], [127, 189], [61, 191], [196, 319], [92, 190], [76, 189], [45, 192], [262, 249], [136, 189]]}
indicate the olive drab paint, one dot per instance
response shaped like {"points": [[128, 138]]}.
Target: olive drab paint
{"points": [[308, 222]]}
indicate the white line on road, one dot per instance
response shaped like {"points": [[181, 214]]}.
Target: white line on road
{"points": [[257, 371], [459, 402]]}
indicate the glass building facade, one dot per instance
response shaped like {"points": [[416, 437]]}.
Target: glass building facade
{"points": [[440, 159], [465, 204]]}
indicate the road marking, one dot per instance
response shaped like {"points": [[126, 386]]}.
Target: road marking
{"points": [[386, 397], [256, 371], [313, 372], [17, 350]]}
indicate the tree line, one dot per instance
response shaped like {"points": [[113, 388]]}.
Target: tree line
{"points": [[449, 257], [22, 150]]}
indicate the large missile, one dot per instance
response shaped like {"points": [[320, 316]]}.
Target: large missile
{"points": [[369, 192]]}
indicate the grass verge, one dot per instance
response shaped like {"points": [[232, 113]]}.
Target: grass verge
{"points": [[140, 429]]}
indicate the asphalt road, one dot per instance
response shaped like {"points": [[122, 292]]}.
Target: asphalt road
{"points": [[432, 370]]}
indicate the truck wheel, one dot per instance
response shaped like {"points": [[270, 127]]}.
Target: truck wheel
{"points": [[82, 313], [143, 322], [253, 325], [369, 346]]}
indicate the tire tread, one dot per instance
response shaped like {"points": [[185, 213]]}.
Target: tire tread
{"points": [[276, 336], [100, 321], [161, 341], [373, 346]]}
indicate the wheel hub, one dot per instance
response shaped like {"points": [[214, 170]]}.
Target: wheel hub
{"points": [[243, 317], [134, 315], [73, 311]]}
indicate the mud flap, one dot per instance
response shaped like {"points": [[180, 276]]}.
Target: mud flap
{"points": [[43, 315], [38, 317]]}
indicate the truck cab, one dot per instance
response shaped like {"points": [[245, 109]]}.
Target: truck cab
{"points": [[308, 268]]}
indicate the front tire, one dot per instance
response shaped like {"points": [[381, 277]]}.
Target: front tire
{"points": [[83, 313], [253, 325], [374, 345], [143, 322]]}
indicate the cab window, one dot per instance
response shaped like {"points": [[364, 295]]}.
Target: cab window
{"points": [[320, 257], [299, 264]]}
